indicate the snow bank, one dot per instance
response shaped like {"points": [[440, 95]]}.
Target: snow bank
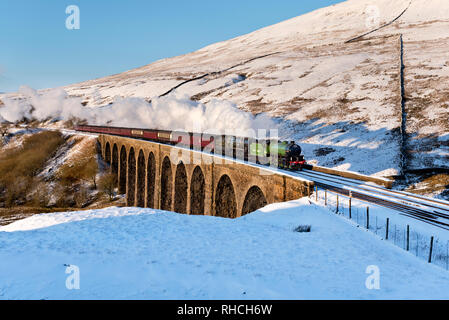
{"points": [[174, 112], [132, 253], [47, 220]]}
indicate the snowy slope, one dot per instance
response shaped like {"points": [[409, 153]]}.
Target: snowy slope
{"points": [[302, 71], [133, 253]]}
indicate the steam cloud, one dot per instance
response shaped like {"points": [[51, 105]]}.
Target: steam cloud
{"points": [[174, 112]]}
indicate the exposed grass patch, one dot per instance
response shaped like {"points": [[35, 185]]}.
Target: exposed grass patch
{"points": [[77, 177], [19, 166], [257, 106], [34, 152], [108, 183], [339, 160], [9, 215], [82, 167], [303, 228], [324, 151], [429, 183]]}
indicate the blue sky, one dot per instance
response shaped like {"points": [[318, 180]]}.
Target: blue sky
{"points": [[37, 50]]}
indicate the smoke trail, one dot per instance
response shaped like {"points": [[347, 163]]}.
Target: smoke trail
{"points": [[173, 112]]}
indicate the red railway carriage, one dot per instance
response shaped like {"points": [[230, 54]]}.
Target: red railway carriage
{"points": [[185, 139]]}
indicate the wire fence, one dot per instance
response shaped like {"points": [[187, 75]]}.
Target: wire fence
{"points": [[430, 248]]}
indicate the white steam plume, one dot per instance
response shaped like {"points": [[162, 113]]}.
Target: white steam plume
{"points": [[173, 112]]}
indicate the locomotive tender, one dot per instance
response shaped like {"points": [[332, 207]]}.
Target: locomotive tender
{"points": [[248, 149]]}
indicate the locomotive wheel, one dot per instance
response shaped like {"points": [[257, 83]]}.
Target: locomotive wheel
{"points": [[284, 164]]}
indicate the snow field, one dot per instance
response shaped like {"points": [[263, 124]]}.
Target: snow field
{"points": [[420, 233], [132, 253]]}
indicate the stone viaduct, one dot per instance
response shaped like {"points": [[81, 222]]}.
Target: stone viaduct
{"points": [[149, 178]]}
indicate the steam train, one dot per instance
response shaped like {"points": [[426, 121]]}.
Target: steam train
{"points": [[248, 149]]}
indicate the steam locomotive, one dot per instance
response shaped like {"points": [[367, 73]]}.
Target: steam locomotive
{"points": [[253, 150]]}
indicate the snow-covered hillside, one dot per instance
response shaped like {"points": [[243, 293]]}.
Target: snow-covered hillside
{"points": [[341, 101], [132, 253]]}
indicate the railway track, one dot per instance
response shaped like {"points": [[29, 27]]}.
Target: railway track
{"points": [[430, 211]]}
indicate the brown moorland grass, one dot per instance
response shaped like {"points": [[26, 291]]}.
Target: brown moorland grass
{"points": [[430, 183], [31, 156], [82, 167], [9, 215], [19, 166]]}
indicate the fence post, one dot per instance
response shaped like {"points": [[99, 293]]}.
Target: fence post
{"points": [[316, 193], [430, 251], [337, 203], [350, 206], [367, 218], [408, 237], [386, 231]]}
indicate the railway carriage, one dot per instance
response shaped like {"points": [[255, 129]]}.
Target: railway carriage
{"points": [[260, 151]]}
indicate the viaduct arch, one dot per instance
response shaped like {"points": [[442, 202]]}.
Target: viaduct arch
{"points": [[114, 163], [151, 181], [254, 200], [181, 186], [225, 203], [149, 178], [140, 188], [166, 184], [107, 156], [197, 192], [131, 179], [122, 170]]}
